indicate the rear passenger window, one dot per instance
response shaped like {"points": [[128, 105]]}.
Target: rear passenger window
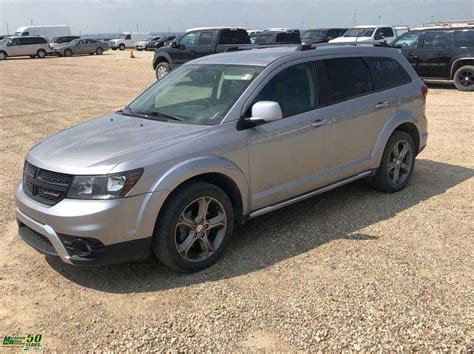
{"points": [[25, 41], [387, 73], [205, 38], [464, 38], [234, 37], [294, 88], [347, 78], [435, 39]]}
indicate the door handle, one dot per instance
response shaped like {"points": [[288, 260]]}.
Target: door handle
{"points": [[441, 53], [381, 105], [413, 55], [319, 122]]}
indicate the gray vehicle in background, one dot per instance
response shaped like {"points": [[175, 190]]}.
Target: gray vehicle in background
{"points": [[15, 46], [57, 41], [81, 46], [220, 140]]}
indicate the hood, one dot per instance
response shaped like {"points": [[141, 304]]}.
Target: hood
{"points": [[95, 147], [350, 39]]}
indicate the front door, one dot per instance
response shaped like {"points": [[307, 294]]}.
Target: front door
{"points": [[408, 44], [433, 56], [185, 50], [290, 156]]}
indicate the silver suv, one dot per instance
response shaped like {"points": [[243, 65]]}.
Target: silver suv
{"points": [[222, 139]]}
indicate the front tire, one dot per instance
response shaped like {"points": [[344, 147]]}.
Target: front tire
{"points": [[194, 227], [99, 51], [162, 69], [41, 53], [397, 165], [464, 78], [68, 53]]}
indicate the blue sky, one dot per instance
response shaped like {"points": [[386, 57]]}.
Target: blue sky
{"points": [[91, 16]]}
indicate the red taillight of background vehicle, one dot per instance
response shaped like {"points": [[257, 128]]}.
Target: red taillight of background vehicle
{"points": [[424, 90]]}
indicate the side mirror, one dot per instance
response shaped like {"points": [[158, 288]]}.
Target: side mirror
{"points": [[266, 111], [174, 44]]}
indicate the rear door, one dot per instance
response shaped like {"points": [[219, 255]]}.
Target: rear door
{"points": [[434, 55], [358, 113], [26, 46]]}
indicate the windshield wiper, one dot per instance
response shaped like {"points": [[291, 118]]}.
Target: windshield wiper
{"points": [[164, 115]]}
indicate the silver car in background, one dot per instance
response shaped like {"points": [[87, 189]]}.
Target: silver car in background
{"points": [[31, 46], [81, 46], [220, 140]]}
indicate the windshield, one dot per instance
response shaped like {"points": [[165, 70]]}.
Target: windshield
{"points": [[195, 94], [359, 32], [314, 34]]}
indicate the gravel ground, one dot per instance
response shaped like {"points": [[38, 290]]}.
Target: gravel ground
{"points": [[352, 269]]}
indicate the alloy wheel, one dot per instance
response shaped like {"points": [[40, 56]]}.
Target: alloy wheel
{"points": [[2, 56], [400, 162], [200, 229], [466, 78], [162, 71]]}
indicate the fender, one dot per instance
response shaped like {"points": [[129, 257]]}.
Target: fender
{"points": [[390, 126], [159, 55]]}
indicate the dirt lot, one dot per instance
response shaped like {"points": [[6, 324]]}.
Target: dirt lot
{"points": [[352, 269]]}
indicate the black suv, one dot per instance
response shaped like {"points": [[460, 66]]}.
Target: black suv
{"points": [[321, 35], [195, 44], [280, 37], [441, 54]]}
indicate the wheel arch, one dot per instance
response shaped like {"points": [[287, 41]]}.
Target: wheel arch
{"points": [[458, 63], [403, 121], [162, 58]]}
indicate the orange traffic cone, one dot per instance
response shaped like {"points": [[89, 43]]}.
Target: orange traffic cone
{"points": [[131, 54]]}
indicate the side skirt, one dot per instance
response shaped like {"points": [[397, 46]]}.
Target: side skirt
{"points": [[307, 195]]}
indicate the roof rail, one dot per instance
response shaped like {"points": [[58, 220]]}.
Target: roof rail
{"points": [[303, 47]]}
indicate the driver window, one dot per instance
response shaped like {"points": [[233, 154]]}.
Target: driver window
{"points": [[294, 88], [128, 36], [435, 40], [409, 40], [188, 39]]}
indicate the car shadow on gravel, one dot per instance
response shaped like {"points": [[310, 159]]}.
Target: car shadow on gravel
{"points": [[282, 234]]}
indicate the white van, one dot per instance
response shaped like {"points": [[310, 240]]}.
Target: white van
{"points": [[127, 40], [369, 34], [48, 32]]}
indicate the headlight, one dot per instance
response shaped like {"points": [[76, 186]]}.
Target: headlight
{"points": [[112, 186]]}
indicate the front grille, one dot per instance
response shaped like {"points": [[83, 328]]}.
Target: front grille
{"points": [[45, 186]]}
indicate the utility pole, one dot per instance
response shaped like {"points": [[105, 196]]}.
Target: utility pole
{"points": [[137, 27], [8, 30], [31, 21], [379, 16], [169, 31], [354, 18], [302, 25]]}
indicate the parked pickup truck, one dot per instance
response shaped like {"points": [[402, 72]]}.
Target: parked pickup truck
{"points": [[370, 34], [127, 40], [197, 43]]}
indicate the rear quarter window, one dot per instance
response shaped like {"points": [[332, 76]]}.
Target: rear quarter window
{"points": [[387, 72], [347, 78], [234, 37], [464, 38]]}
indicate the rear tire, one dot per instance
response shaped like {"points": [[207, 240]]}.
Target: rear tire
{"points": [[41, 54], [194, 227], [99, 51], [464, 78], [68, 53], [3, 55], [162, 69], [397, 165], [122, 46]]}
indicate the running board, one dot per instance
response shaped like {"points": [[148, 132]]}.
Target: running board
{"points": [[308, 195]]}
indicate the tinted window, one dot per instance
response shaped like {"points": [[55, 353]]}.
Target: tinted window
{"points": [[464, 38], [205, 38], [409, 40], [234, 37], [15, 41], [188, 39], [294, 88], [435, 39], [288, 38], [387, 72], [347, 78], [385, 32], [25, 41], [91, 41], [263, 38], [128, 36]]}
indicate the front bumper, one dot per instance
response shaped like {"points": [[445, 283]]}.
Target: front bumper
{"points": [[90, 231]]}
